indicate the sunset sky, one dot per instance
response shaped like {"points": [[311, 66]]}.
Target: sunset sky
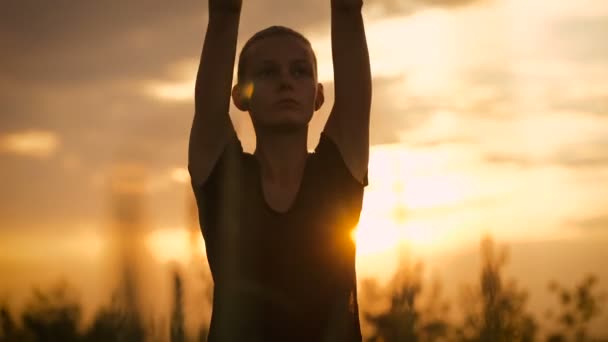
{"points": [[488, 116]]}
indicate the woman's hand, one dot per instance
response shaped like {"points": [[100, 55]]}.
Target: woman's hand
{"points": [[346, 5], [225, 5]]}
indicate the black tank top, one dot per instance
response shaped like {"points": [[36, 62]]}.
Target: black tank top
{"points": [[282, 276]]}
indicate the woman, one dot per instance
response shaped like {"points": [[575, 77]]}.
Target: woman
{"points": [[277, 223]]}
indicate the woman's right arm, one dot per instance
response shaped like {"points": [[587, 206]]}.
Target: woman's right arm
{"points": [[211, 126]]}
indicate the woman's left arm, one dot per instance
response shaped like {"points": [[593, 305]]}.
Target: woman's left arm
{"points": [[348, 123]]}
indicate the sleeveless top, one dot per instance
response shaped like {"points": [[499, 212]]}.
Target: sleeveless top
{"points": [[281, 276]]}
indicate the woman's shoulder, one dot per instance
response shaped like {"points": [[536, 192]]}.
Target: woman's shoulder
{"points": [[231, 167], [329, 162]]}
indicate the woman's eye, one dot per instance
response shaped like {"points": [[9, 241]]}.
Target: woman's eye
{"points": [[302, 72], [266, 72]]}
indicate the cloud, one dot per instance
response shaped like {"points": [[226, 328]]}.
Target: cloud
{"points": [[577, 37], [592, 224], [598, 222], [591, 153], [585, 155], [393, 110], [600, 161], [85, 40], [41, 196], [32, 143], [505, 159], [101, 122], [97, 61], [180, 175], [593, 104], [406, 7], [80, 70], [90, 41]]}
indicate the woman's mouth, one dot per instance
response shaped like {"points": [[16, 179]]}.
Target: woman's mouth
{"points": [[287, 102]]}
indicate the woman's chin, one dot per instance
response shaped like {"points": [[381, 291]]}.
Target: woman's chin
{"points": [[285, 126], [288, 123]]}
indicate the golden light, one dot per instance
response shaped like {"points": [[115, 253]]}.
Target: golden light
{"points": [[85, 244], [382, 236], [180, 175], [91, 245], [435, 190], [248, 90], [428, 58], [405, 187], [170, 245], [419, 234], [33, 143], [172, 91], [375, 236]]}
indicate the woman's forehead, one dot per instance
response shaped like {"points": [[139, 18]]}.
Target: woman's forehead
{"points": [[280, 48]]}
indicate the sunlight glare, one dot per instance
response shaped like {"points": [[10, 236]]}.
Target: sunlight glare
{"points": [[419, 235], [91, 245], [434, 190], [170, 245], [180, 175], [374, 236], [32, 143], [406, 187], [248, 90], [173, 91]]}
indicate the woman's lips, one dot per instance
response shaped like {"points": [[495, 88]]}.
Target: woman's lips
{"points": [[287, 102]]}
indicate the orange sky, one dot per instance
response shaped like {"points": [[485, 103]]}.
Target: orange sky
{"points": [[488, 117]]}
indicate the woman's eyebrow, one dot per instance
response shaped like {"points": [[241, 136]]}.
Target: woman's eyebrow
{"points": [[301, 61], [266, 62]]}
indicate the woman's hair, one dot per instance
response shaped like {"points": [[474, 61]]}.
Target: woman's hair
{"points": [[268, 32]]}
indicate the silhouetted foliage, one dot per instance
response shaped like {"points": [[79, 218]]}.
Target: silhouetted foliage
{"points": [[116, 323], [8, 326], [177, 317], [53, 316], [406, 319], [579, 306], [9, 330], [495, 309]]}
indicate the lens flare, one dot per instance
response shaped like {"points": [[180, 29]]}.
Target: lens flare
{"points": [[248, 90]]}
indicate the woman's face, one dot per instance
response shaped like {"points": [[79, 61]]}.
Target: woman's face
{"points": [[282, 83]]}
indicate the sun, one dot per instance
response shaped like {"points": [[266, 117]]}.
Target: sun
{"points": [[397, 193], [375, 236], [170, 245]]}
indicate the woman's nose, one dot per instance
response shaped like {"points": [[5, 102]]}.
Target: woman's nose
{"points": [[285, 80]]}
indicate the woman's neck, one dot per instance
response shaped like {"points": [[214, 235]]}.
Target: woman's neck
{"points": [[282, 155]]}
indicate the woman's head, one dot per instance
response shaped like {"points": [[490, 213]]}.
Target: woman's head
{"points": [[277, 79]]}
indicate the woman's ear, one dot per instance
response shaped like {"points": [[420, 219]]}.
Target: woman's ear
{"points": [[240, 97], [320, 98]]}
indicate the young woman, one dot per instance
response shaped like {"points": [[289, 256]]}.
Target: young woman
{"points": [[277, 223]]}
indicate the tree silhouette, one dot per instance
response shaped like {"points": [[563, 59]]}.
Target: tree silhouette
{"points": [[8, 327], [177, 317], [116, 322], [406, 319], [51, 316], [494, 310], [579, 306]]}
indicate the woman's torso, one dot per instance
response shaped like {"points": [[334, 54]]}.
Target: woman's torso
{"points": [[282, 275]]}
